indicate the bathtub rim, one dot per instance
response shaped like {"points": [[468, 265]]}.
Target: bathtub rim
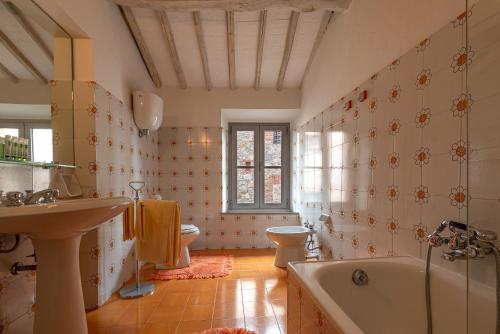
{"points": [[309, 279]]}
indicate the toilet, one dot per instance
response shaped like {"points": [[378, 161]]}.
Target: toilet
{"points": [[290, 243], [189, 233]]}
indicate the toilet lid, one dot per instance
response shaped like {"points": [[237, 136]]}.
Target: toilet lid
{"points": [[186, 229]]}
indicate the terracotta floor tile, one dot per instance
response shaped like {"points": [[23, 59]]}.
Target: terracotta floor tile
{"points": [[254, 295], [257, 309], [256, 290], [228, 311], [186, 327], [205, 285], [201, 298], [135, 315], [247, 266], [263, 325], [168, 328], [125, 330], [228, 297], [229, 284], [175, 299], [250, 274], [166, 315], [233, 275], [198, 312], [277, 293], [103, 319], [230, 323], [279, 307], [97, 330], [252, 283], [179, 286]]}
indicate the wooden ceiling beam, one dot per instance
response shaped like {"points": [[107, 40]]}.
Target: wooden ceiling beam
{"points": [[172, 49], [8, 73], [141, 45], [21, 58], [260, 47], [238, 5], [290, 36], [230, 49], [327, 18], [30, 30], [203, 49]]}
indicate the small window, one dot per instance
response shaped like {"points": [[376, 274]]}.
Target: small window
{"points": [[259, 166]]}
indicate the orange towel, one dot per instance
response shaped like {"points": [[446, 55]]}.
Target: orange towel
{"points": [[159, 232], [128, 223]]}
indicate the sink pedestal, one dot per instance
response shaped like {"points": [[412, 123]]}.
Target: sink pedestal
{"points": [[59, 303], [56, 230]]}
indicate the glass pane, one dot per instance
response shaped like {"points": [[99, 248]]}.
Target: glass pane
{"points": [[9, 132], [245, 148], [245, 186], [42, 145], [272, 185], [272, 147]]}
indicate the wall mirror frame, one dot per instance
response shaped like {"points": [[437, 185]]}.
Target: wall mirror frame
{"points": [[36, 87]]}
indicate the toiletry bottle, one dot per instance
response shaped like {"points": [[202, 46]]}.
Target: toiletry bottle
{"points": [[21, 149], [15, 148], [7, 147], [26, 149], [2, 153]]}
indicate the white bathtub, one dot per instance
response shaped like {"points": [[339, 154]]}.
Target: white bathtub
{"points": [[393, 301]]}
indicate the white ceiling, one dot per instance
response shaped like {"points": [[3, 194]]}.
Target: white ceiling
{"points": [[246, 31], [23, 41]]}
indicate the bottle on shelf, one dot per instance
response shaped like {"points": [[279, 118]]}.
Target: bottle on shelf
{"points": [[8, 147], [2, 148]]}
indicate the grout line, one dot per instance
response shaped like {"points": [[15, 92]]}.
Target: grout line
{"points": [[184, 310]]}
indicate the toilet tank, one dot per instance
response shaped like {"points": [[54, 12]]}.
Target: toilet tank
{"points": [[148, 110]]}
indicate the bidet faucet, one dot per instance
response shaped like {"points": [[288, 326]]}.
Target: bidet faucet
{"points": [[463, 242]]}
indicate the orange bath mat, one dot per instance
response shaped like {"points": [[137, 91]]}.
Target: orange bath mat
{"points": [[227, 331], [202, 266]]}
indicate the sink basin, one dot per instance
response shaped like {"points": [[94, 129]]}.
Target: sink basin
{"points": [[56, 230]]}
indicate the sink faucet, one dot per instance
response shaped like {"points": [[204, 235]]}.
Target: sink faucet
{"points": [[18, 198], [463, 243]]}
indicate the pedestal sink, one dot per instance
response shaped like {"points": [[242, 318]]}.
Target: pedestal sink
{"points": [[56, 230]]}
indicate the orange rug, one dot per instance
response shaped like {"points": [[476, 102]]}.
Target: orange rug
{"points": [[227, 331], [202, 266]]}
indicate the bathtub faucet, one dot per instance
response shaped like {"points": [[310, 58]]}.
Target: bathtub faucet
{"points": [[463, 243]]}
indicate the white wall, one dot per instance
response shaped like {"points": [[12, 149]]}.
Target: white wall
{"points": [[368, 36], [195, 107], [118, 66]]}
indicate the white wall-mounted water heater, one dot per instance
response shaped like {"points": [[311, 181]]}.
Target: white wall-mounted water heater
{"points": [[148, 111]]}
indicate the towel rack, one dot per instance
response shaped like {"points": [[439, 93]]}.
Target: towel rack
{"points": [[138, 289]]}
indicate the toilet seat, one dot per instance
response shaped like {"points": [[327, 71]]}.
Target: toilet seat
{"points": [[189, 229]]}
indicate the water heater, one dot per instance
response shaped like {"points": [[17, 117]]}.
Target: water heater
{"points": [[148, 111]]}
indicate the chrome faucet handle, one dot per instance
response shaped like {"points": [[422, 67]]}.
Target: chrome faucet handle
{"points": [[14, 198], [483, 235]]}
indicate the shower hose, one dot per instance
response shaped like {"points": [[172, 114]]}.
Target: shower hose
{"points": [[428, 289]]}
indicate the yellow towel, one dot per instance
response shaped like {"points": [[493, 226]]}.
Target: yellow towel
{"points": [[159, 232]]}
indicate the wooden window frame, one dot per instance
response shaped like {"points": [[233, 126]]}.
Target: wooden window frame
{"points": [[259, 168]]}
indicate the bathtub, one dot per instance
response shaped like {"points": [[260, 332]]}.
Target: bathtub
{"points": [[393, 301]]}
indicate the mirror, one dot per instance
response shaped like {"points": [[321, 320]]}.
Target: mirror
{"points": [[36, 104]]}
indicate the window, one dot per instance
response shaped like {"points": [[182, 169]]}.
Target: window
{"points": [[39, 134], [259, 166]]}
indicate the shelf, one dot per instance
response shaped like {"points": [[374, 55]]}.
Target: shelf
{"points": [[45, 165]]}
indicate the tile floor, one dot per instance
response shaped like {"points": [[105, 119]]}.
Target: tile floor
{"points": [[253, 296]]}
